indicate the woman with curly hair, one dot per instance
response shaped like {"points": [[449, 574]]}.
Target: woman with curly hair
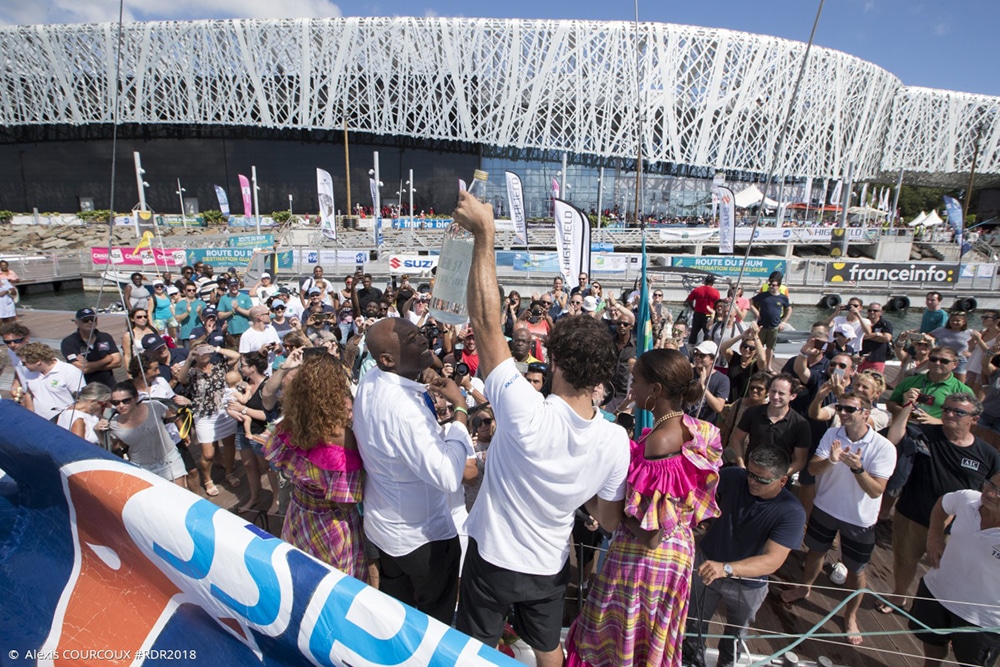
{"points": [[314, 447], [636, 611]]}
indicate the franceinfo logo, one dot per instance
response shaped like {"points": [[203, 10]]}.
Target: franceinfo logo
{"points": [[844, 272]]}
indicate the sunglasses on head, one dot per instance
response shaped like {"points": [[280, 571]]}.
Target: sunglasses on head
{"points": [[122, 401]]}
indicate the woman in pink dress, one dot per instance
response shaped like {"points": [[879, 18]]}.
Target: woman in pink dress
{"points": [[636, 611], [314, 447]]}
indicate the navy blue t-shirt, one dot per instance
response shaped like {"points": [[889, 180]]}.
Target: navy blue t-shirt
{"points": [[748, 522], [772, 308]]}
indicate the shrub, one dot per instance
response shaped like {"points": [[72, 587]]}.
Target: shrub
{"points": [[6, 217], [213, 216]]}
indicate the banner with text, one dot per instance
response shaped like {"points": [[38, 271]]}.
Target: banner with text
{"points": [[238, 257], [251, 241], [331, 259], [146, 256], [730, 266], [880, 272], [415, 264]]}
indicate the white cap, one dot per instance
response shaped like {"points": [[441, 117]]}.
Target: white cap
{"points": [[707, 347], [846, 330], [265, 275], [590, 303]]}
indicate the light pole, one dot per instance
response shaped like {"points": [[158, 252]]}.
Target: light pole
{"points": [[290, 206], [256, 204], [180, 197], [376, 198]]}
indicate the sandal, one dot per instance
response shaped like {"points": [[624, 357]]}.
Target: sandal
{"points": [[211, 489], [883, 608], [233, 480]]}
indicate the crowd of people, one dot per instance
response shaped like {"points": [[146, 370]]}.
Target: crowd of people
{"points": [[454, 467]]}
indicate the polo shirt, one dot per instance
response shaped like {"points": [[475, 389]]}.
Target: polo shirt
{"points": [[238, 323], [940, 467], [772, 308], [56, 390], [933, 319], [746, 523], [788, 433], [837, 490], [938, 390], [102, 345], [873, 350], [702, 299]]}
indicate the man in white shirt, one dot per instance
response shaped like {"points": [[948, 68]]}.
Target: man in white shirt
{"points": [[413, 466], [16, 336], [549, 456], [852, 465], [57, 383], [851, 317]]}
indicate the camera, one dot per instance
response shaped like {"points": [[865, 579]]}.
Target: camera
{"points": [[430, 332], [461, 369], [925, 399]]}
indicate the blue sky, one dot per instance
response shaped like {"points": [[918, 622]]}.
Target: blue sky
{"points": [[924, 43]]}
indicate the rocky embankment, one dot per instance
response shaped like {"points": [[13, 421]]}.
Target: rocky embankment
{"points": [[27, 239]]}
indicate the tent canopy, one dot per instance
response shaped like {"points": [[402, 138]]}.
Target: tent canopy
{"points": [[753, 197]]}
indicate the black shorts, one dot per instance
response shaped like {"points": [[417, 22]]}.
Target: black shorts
{"points": [[488, 591], [972, 648], [856, 543]]}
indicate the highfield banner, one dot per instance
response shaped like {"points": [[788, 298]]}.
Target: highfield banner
{"points": [[881, 272]]}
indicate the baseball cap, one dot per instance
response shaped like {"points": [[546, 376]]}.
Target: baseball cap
{"points": [[590, 303], [314, 290], [152, 342], [232, 270], [85, 312], [209, 312], [233, 281], [157, 282], [284, 290], [171, 290], [265, 275], [845, 330], [707, 347]]}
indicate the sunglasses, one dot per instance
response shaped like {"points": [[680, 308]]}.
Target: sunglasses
{"points": [[88, 320], [190, 291], [657, 294], [757, 389], [537, 368], [624, 325], [546, 303], [140, 317], [957, 412], [941, 360], [761, 480], [749, 348], [839, 365], [159, 287], [577, 303], [703, 354], [16, 341], [476, 423], [874, 310], [848, 409], [123, 401]]}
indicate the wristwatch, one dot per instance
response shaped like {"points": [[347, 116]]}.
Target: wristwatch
{"points": [[728, 569]]}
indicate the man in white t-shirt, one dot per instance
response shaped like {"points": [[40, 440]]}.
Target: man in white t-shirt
{"points": [[55, 387], [963, 585], [16, 336], [549, 456], [261, 336], [851, 317], [852, 465]]}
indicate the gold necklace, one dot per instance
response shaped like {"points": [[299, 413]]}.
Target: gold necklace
{"points": [[669, 415]]}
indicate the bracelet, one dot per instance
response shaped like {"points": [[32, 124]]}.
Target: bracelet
{"points": [[857, 471], [908, 404], [460, 408]]}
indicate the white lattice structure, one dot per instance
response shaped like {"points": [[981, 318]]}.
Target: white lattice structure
{"points": [[710, 98]]}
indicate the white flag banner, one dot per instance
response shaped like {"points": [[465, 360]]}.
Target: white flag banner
{"points": [[727, 221], [835, 195], [324, 189], [782, 207], [515, 197], [863, 202], [807, 195], [822, 200], [572, 242]]}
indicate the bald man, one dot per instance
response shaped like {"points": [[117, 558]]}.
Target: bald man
{"points": [[413, 465]]}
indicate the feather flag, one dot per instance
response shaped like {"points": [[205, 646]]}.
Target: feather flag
{"points": [[835, 195], [644, 331], [555, 189], [220, 194], [572, 242], [515, 197], [324, 189], [954, 221], [727, 221], [247, 193], [145, 241]]}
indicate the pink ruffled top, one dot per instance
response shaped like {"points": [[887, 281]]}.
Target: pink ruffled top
{"points": [[327, 473], [678, 490]]}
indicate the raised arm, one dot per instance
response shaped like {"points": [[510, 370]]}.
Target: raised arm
{"points": [[483, 290]]}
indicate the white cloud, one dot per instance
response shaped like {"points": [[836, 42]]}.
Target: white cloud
{"points": [[942, 28], [88, 11], [869, 6]]}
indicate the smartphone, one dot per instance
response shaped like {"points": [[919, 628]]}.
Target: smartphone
{"points": [[838, 373]]}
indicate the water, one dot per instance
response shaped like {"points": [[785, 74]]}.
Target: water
{"points": [[70, 299], [73, 299]]}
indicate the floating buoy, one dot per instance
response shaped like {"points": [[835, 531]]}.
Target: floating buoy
{"points": [[967, 304], [898, 303]]}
